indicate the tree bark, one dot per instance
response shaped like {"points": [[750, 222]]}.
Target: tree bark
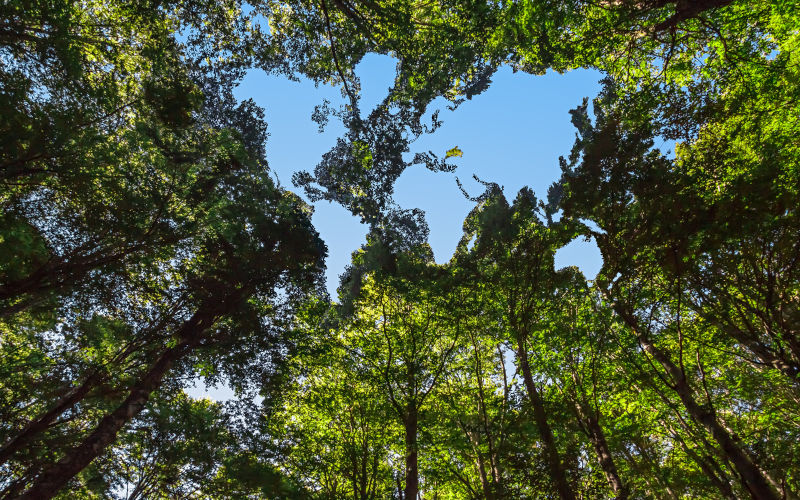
{"points": [[782, 361], [540, 416], [41, 423], [486, 486], [49, 482], [655, 469], [753, 479], [604, 457], [704, 462], [689, 9], [412, 471]]}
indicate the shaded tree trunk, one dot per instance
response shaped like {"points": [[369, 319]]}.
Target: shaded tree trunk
{"points": [[486, 486], [64, 404], [41, 423], [410, 420], [596, 435], [540, 416], [689, 9], [707, 465], [684, 9], [52, 479], [753, 479], [648, 470], [781, 360]]}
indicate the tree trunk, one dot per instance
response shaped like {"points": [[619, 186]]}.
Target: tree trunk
{"points": [[364, 482], [653, 470], [41, 423], [782, 361], [540, 416], [753, 479], [709, 466], [49, 482], [689, 9], [705, 465], [604, 457], [486, 486], [64, 404], [412, 471]]}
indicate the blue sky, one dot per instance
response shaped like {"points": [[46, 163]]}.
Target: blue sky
{"points": [[512, 134]]}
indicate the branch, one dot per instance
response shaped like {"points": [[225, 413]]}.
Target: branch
{"points": [[353, 100]]}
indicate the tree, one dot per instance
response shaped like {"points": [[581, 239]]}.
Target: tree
{"points": [[651, 255], [261, 240], [103, 105], [142, 243], [403, 340], [334, 432], [139, 221], [475, 417], [514, 250]]}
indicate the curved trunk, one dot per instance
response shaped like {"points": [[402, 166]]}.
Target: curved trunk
{"points": [[49, 482], [540, 416], [753, 479]]}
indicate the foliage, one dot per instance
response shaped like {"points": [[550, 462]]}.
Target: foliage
{"points": [[143, 245]]}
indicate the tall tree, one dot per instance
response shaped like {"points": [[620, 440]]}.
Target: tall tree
{"points": [[647, 256], [333, 428], [260, 240], [404, 338], [514, 250]]}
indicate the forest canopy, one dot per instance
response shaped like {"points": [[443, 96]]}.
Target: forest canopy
{"points": [[145, 244]]}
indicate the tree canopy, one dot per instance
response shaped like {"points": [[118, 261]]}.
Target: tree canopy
{"points": [[144, 244]]}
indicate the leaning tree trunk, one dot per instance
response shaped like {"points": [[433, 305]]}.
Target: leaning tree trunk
{"points": [[540, 416], [64, 404], [707, 465], [594, 430], [685, 10], [49, 482], [43, 422], [753, 479]]}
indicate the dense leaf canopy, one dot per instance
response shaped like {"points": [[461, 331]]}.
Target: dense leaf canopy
{"points": [[144, 245]]}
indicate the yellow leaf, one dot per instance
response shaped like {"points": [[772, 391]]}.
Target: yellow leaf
{"points": [[454, 152]]}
